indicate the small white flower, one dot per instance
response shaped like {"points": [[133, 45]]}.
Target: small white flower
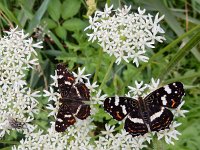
{"points": [[109, 130], [80, 76], [169, 134], [138, 90], [178, 112]]}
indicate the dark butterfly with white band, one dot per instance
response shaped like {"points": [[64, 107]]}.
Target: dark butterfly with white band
{"points": [[148, 114], [72, 99]]}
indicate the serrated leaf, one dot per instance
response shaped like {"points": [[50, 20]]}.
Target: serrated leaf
{"points": [[54, 9], [61, 32], [49, 22], [74, 24], [70, 8]]}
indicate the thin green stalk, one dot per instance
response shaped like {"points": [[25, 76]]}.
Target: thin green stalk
{"points": [[107, 73], [98, 66], [180, 54], [169, 46], [9, 142], [158, 144]]}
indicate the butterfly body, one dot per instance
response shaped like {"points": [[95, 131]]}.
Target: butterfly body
{"points": [[73, 96], [146, 114]]}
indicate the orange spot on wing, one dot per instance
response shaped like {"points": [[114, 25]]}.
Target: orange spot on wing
{"points": [[118, 116], [173, 102], [130, 130], [72, 121], [70, 78]]}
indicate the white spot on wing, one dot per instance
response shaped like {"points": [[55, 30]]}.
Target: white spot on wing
{"points": [[136, 120], [156, 115], [124, 109], [164, 101], [67, 116], [68, 83], [167, 89], [116, 100], [59, 120], [78, 110], [60, 76], [77, 91]]}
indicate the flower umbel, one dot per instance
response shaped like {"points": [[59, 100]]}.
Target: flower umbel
{"points": [[124, 34], [17, 101]]}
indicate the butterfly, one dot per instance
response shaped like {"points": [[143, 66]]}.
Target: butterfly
{"points": [[72, 99], [146, 114]]}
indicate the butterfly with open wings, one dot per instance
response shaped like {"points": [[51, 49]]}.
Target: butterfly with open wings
{"points": [[148, 114]]}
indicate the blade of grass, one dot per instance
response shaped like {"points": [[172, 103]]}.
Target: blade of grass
{"points": [[182, 78], [38, 15], [169, 47], [10, 16], [179, 55]]}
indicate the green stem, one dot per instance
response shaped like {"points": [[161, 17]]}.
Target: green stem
{"points": [[98, 66], [158, 144], [107, 73], [168, 47], [180, 54], [9, 142]]}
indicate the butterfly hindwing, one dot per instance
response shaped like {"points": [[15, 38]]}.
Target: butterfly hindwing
{"points": [[64, 118], [118, 107], [160, 118], [134, 124], [169, 95]]}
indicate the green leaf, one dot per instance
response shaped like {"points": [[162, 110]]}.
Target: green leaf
{"points": [[54, 9], [70, 8], [49, 22], [74, 24], [61, 32]]}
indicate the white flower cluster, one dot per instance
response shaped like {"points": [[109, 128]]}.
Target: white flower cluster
{"points": [[168, 134], [120, 141], [125, 35], [76, 136], [17, 101]]}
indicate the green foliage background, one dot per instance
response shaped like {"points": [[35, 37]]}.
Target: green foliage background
{"points": [[177, 59]]}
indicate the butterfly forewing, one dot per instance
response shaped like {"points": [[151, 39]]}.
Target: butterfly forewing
{"points": [[119, 107], [65, 80], [169, 95]]}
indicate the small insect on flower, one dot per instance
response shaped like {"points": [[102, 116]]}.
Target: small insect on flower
{"points": [[14, 123], [148, 114], [73, 94]]}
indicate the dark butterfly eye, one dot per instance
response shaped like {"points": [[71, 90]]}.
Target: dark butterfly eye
{"points": [[148, 114], [72, 99]]}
